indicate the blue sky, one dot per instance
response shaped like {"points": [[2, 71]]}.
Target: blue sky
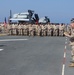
{"points": [[57, 10]]}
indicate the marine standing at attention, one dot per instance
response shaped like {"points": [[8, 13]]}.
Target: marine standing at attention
{"points": [[70, 34]]}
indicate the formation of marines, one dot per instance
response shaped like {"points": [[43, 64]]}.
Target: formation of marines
{"points": [[42, 30], [36, 29]]}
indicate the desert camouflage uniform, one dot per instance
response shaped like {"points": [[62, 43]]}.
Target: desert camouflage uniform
{"points": [[19, 29], [61, 30], [9, 29], [51, 30], [30, 30], [0, 29], [70, 34], [48, 30], [34, 29], [36, 26], [72, 43], [45, 30], [24, 29], [13, 30], [54, 30], [39, 28]]}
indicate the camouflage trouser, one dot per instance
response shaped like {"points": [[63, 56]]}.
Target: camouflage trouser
{"points": [[19, 31], [42, 32], [45, 32], [25, 31], [31, 33], [22, 31], [12, 31], [55, 32], [49, 32], [9, 31], [38, 32], [61, 32], [34, 32], [72, 47], [72, 52]]}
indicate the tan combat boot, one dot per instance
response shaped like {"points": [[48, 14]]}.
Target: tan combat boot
{"points": [[71, 65]]}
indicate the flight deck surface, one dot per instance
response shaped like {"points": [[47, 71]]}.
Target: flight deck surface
{"points": [[23, 55]]}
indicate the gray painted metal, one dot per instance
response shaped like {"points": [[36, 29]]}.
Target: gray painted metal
{"points": [[35, 56]]}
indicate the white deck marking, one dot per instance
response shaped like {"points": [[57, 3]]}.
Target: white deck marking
{"points": [[13, 39], [63, 69], [64, 58], [65, 47], [64, 54], [1, 49]]}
